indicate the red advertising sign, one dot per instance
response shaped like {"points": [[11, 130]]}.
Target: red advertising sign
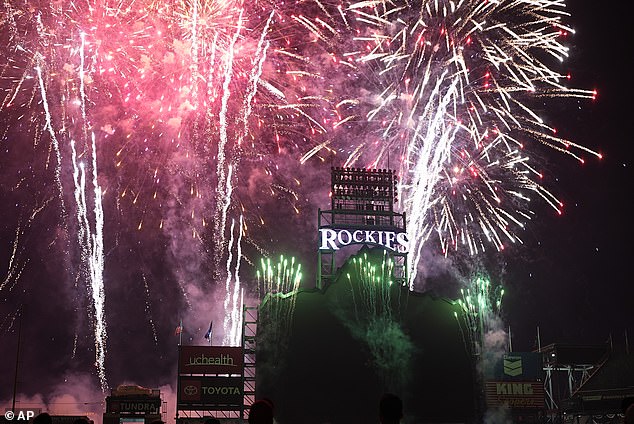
{"points": [[210, 360], [200, 393], [515, 394]]}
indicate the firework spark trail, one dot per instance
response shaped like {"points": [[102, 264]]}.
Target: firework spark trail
{"points": [[238, 292], [91, 244], [148, 310], [223, 198], [255, 75], [49, 126], [14, 267], [14, 270], [227, 302], [233, 291], [426, 162]]}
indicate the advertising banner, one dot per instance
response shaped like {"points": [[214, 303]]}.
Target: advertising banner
{"points": [[520, 366], [201, 393], [515, 394], [210, 360], [141, 406]]}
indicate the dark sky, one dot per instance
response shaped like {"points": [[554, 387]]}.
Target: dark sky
{"points": [[569, 278], [572, 281]]}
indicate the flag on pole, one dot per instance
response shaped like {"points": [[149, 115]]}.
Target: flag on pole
{"points": [[209, 332], [179, 329]]}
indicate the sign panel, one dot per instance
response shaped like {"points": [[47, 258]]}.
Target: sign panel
{"points": [[520, 366], [201, 393], [211, 360], [515, 394], [137, 406], [334, 239]]}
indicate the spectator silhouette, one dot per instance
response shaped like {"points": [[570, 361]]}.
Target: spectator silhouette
{"points": [[261, 412], [43, 418], [390, 409], [628, 410], [629, 415]]}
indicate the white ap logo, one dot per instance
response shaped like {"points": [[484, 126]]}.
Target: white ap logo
{"points": [[19, 415]]}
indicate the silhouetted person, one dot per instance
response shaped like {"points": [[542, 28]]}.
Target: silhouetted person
{"points": [[627, 406], [629, 415], [43, 418], [261, 412], [390, 409]]}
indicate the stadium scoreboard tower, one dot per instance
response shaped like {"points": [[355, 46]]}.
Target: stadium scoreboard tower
{"points": [[129, 404], [362, 213]]}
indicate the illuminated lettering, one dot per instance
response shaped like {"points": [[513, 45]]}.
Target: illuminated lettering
{"points": [[340, 237], [221, 390], [402, 241], [331, 239], [145, 407], [203, 360], [514, 388], [328, 238]]}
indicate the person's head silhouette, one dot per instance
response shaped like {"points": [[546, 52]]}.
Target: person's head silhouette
{"points": [[390, 409]]}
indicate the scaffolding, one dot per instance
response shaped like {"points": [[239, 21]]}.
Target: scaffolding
{"points": [[236, 409], [249, 333], [361, 200], [566, 368]]}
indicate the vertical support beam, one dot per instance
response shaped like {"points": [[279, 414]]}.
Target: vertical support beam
{"points": [[249, 344]]}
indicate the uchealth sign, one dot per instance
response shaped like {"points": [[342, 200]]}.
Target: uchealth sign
{"points": [[197, 393], [211, 360], [336, 238]]}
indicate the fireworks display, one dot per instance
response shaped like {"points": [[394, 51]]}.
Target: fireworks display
{"points": [[450, 94], [184, 133], [481, 304], [278, 283]]}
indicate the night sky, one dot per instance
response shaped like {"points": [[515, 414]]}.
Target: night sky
{"points": [[571, 280], [569, 277]]}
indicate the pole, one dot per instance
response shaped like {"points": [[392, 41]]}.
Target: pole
{"points": [[17, 359], [539, 341], [510, 340]]}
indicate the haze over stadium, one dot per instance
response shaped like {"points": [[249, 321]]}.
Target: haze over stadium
{"points": [[154, 152]]}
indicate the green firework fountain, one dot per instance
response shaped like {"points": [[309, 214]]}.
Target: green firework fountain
{"points": [[481, 305], [372, 295], [278, 283], [374, 322]]}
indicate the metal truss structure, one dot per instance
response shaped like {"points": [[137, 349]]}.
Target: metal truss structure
{"points": [[361, 199]]}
